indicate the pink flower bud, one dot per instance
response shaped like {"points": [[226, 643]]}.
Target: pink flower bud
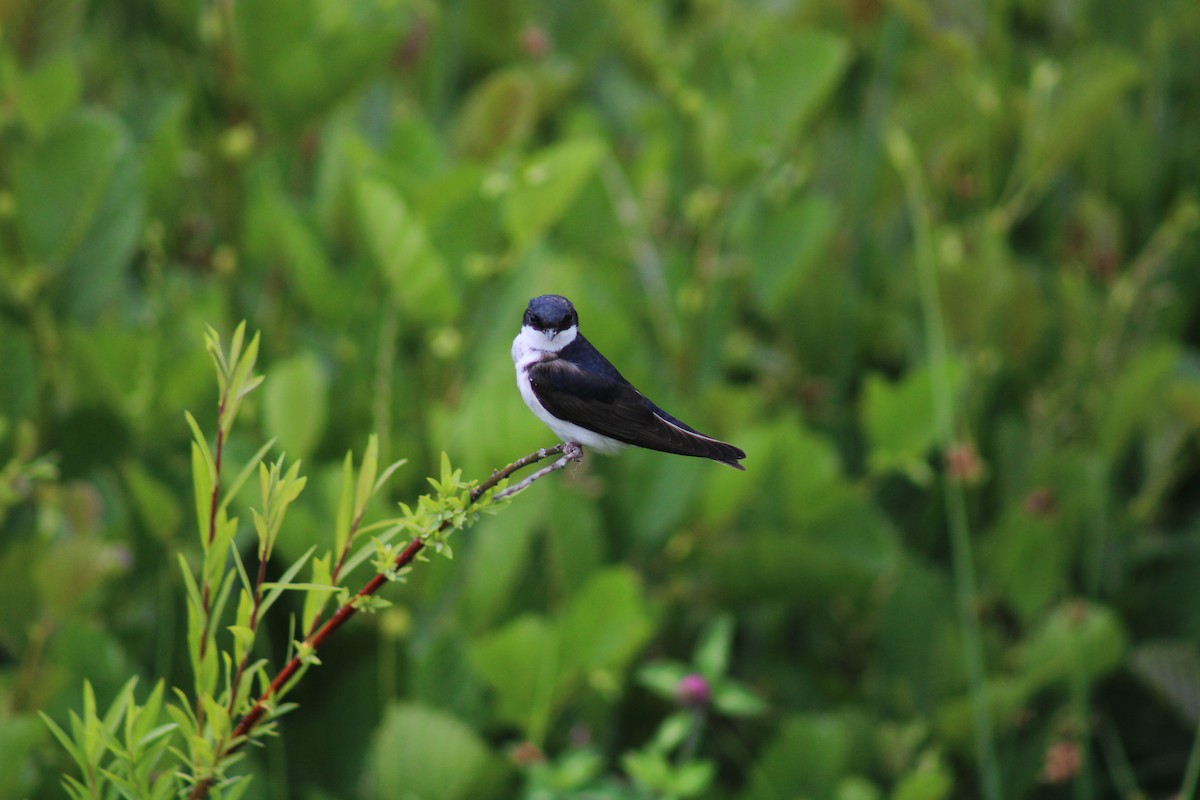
{"points": [[693, 690]]}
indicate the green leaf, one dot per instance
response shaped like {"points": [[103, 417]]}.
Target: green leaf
{"points": [[900, 421], [398, 239], [521, 663], [792, 79], [1028, 560], [662, 678], [296, 403], [712, 652], [242, 381], [302, 58], [189, 582], [1133, 398], [734, 700], [244, 474], [285, 583], [48, 92], [139, 727], [787, 247], [692, 778], [1079, 641], [493, 569], [498, 114], [776, 89], [648, 770], [18, 393], [605, 622], [856, 787], [243, 638], [64, 739], [546, 185], [202, 483], [930, 780], [281, 233], [673, 730], [344, 517], [810, 754], [366, 475], [426, 753], [920, 654], [79, 207], [315, 601], [119, 706]]}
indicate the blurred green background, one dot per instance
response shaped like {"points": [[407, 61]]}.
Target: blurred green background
{"points": [[766, 212]]}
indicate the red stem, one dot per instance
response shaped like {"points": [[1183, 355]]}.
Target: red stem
{"points": [[216, 490], [348, 610], [252, 717]]}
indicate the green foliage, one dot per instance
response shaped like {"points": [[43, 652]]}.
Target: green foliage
{"points": [[77, 207], [544, 186], [422, 752], [122, 748], [930, 265], [234, 697], [535, 665], [899, 425], [710, 661]]}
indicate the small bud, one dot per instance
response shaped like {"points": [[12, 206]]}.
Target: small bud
{"points": [[693, 690], [238, 141], [535, 41], [526, 754], [1041, 503], [580, 735], [963, 464], [1063, 761]]}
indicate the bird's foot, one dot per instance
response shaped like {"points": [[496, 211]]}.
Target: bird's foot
{"points": [[573, 451]]}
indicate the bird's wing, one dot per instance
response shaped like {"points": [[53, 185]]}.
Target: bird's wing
{"points": [[614, 408]]}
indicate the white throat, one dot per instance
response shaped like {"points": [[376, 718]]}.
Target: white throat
{"points": [[532, 341]]}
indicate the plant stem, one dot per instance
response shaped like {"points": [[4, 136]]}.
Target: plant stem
{"points": [[692, 743], [905, 160]]}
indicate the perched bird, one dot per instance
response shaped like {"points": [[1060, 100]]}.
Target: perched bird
{"points": [[572, 388]]}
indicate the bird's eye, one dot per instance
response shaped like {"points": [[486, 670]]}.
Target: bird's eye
{"points": [[537, 321]]}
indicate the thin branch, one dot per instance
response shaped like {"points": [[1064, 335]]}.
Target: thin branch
{"points": [[520, 463], [239, 736], [571, 451]]}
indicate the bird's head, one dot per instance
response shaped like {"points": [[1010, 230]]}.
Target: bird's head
{"points": [[552, 315]]}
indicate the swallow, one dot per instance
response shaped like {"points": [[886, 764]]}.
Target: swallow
{"points": [[571, 387]]}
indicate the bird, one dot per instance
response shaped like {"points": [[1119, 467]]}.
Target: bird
{"points": [[571, 387]]}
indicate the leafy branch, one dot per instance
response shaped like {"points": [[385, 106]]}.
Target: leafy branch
{"points": [[456, 506], [122, 752]]}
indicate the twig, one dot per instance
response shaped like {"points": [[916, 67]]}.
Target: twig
{"points": [[571, 452], [520, 463]]}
